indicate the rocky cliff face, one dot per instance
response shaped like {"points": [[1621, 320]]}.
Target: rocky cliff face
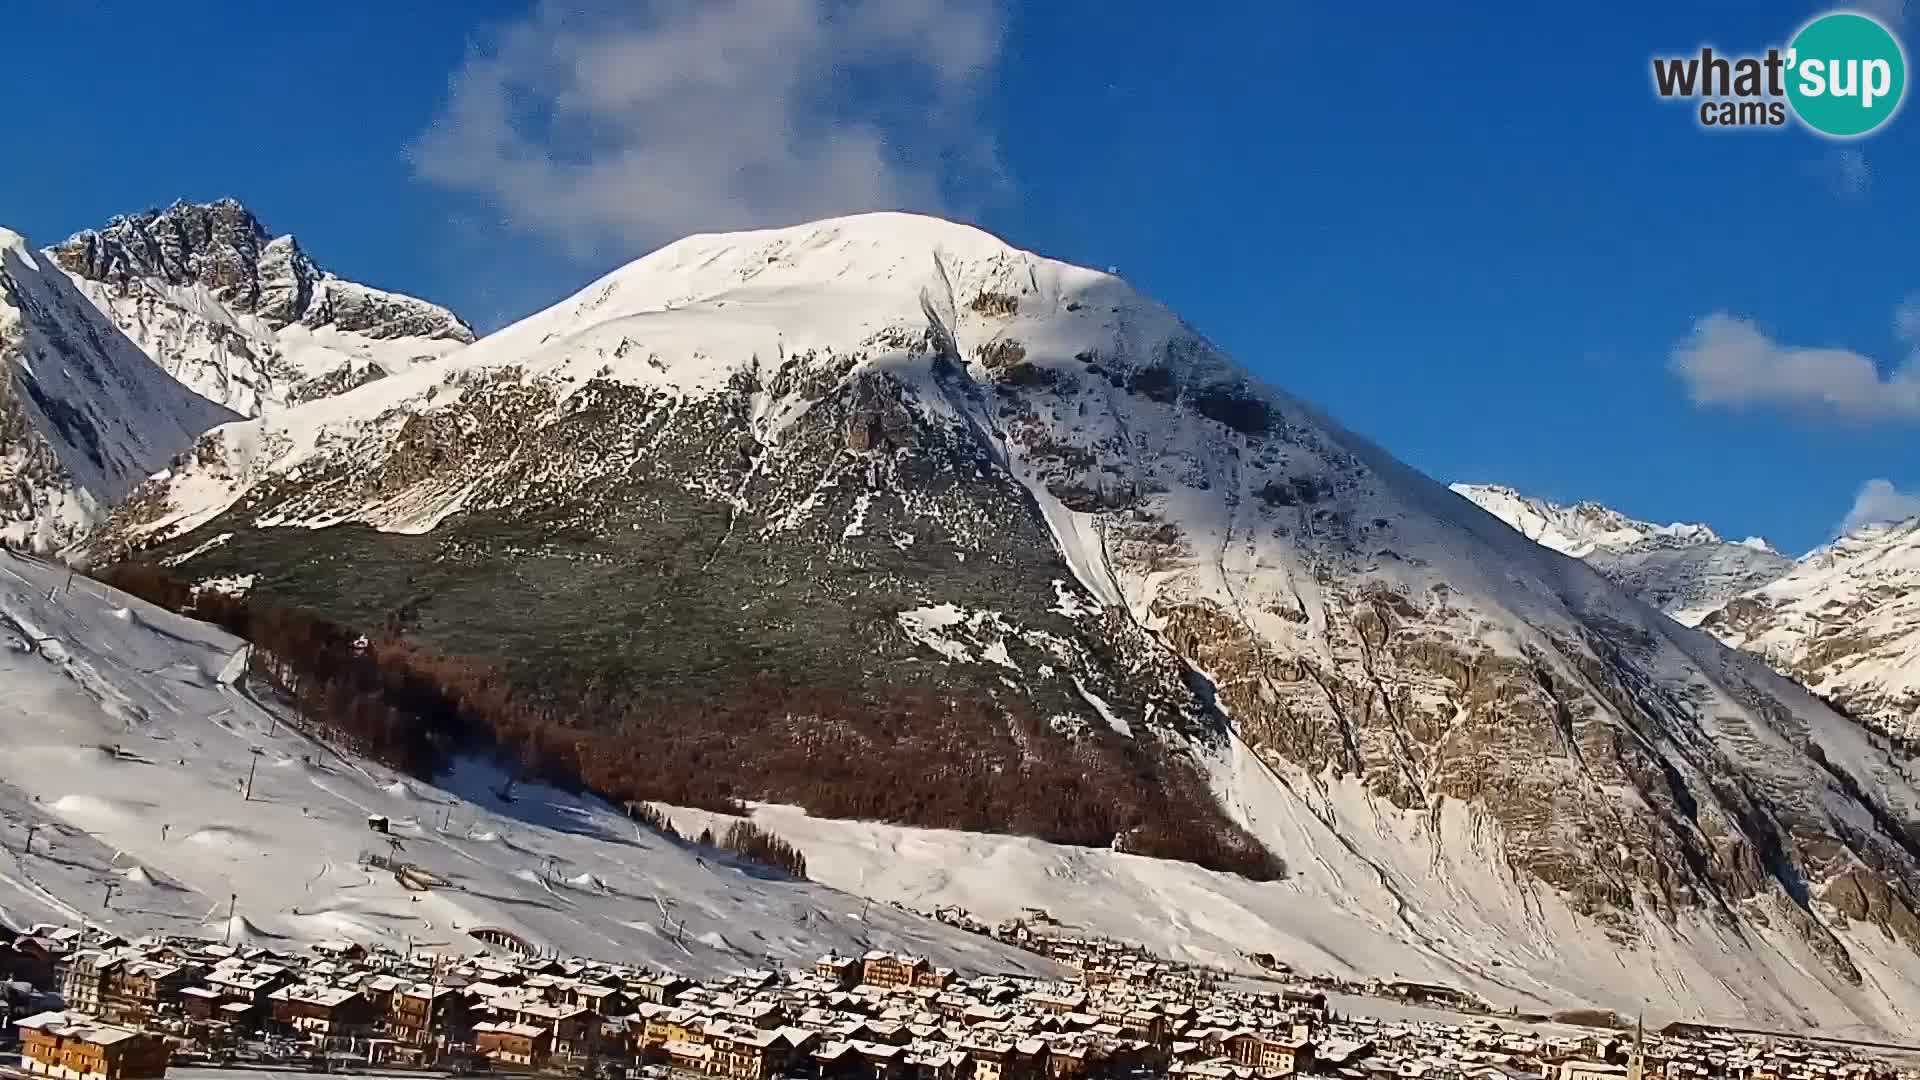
{"points": [[890, 449], [243, 317], [84, 414]]}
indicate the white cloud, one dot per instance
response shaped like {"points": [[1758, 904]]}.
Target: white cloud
{"points": [[1879, 501], [1730, 362], [615, 131]]}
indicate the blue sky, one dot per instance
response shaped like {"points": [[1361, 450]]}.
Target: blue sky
{"points": [[1473, 235]]}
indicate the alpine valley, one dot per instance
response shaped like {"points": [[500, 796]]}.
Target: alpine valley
{"points": [[988, 581]]}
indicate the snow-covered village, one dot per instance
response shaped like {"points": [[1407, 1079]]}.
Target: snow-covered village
{"points": [[133, 1010]]}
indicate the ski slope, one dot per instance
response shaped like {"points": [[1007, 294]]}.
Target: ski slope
{"points": [[127, 756]]}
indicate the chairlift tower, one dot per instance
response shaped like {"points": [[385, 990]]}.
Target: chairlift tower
{"points": [[256, 751]]}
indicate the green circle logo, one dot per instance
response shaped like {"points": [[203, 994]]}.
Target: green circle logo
{"points": [[1845, 74]]}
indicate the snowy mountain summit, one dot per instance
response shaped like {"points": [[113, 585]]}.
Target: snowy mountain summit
{"points": [[84, 414], [243, 317], [1006, 516], [1685, 570]]}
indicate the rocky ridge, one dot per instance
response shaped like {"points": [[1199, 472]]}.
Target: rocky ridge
{"points": [[1685, 570], [243, 317]]}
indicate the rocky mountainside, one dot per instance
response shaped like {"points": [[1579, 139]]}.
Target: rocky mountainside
{"points": [[1846, 622], [245, 318], [84, 414], [890, 453], [1685, 570]]}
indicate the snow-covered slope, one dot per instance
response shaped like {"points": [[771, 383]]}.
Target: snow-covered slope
{"points": [[245, 318], [127, 754], [84, 414], [1844, 621], [1422, 901], [1685, 570], [891, 448], [1586, 527]]}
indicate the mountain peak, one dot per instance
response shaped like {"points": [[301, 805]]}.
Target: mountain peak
{"points": [[897, 228], [962, 295], [1844, 620], [889, 249], [223, 247], [244, 317], [226, 210], [1884, 530]]}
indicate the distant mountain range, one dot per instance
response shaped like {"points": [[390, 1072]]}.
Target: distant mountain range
{"points": [[1844, 619], [888, 519], [1685, 570]]}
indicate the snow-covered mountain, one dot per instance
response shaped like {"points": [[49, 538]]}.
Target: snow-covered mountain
{"points": [[128, 746], [1844, 621], [245, 318], [84, 414], [890, 451], [1685, 570]]}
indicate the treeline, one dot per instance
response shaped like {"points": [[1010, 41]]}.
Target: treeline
{"points": [[908, 755], [751, 842], [652, 817], [743, 838]]}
